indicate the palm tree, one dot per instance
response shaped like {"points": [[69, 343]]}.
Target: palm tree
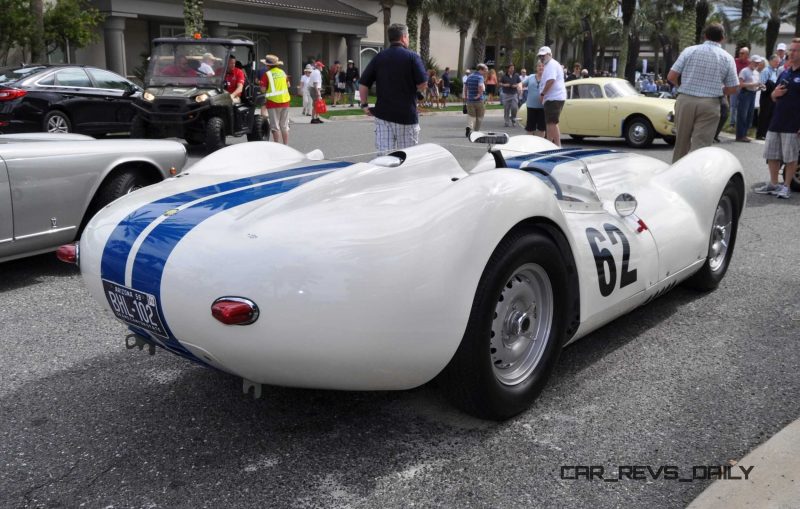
{"points": [[412, 16], [776, 12], [701, 17], [688, 24], [745, 23], [628, 9], [425, 32], [38, 51], [459, 14]]}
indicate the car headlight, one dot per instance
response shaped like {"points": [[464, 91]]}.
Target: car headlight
{"points": [[201, 98], [670, 117], [147, 96]]}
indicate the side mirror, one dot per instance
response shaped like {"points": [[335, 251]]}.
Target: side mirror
{"points": [[130, 90], [625, 204]]}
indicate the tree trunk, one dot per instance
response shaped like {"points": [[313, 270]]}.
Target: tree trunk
{"points": [[622, 63], [386, 8], [773, 27], [462, 41], [588, 45], [687, 24], [633, 56], [701, 17], [425, 37], [192, 17], [481, 36], [744, 24], [38, 51], [541, 28], [412, 23]]}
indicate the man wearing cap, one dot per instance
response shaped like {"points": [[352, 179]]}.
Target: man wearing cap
{"points": [[275, 85], [781, 52], [399, 76], [351, 81], [704, 72], [234, 80], [552, 93], [315, 89], [749, 84]]}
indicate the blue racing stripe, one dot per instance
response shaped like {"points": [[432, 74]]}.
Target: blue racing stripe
{"points": [[119, 243], [150, 260], [553, 157]]}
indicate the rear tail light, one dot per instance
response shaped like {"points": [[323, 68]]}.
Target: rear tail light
{"points": [[9, 94], [69, 253], [234, 310]]}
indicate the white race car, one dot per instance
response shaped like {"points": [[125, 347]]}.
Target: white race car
{"points": [[287, 269]]}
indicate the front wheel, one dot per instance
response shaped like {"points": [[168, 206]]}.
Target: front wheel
{"points": [[515, 330], [215, 134], [260, 130], [721, 241], [57, 122], [639, 132]]}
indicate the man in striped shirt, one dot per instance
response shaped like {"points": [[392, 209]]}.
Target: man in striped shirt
{"points": [[703, 73]]}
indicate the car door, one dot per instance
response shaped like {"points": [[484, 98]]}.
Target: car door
{"points": [[83, 103], [587, 109], [118, 95], [6, 217]]}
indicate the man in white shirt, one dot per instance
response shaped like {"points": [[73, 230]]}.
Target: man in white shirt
{"points": [[553, 93], [315, 90]]}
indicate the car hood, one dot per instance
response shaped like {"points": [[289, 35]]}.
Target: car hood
{"points": [[648, 102]]}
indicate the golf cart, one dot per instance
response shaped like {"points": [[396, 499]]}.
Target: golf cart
{"points": [[185, 94]]}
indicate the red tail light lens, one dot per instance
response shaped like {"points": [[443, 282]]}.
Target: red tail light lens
{"points": [[9, 94], [234, 310], [69, 253]]}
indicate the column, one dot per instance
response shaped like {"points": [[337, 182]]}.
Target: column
{"points": [[114, 39], [217, 30], [354, 50], [294, 64]]}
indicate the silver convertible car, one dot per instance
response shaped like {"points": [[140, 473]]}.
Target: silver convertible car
{"points": [[52, 184]]}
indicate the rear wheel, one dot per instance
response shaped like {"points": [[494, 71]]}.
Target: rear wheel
{"points": [[515, 329], [721, 241], [639, 132], [139, 128], [215, 134], [57, 122]]}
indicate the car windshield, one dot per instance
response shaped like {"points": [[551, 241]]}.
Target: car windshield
{"points": [[563, 170], [187, 64], [9, 75], [620, 88]]}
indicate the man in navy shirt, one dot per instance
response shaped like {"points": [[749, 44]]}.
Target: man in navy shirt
{"points": [[399, 75], [783, 135]]}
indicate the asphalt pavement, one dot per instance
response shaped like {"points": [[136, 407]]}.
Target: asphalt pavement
{"points": [[644, 412]]}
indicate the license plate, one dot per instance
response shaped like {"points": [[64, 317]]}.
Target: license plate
{"points": [[134, 307]]}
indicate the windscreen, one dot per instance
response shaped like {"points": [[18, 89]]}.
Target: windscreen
{"points": [[187, 64], [563, 170]]}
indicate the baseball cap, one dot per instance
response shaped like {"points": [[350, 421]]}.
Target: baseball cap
{"points": [[781, 46], [544, 50], [319, 63]]}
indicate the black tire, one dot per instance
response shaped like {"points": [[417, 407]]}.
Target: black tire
{"points": [[260, 131], [56, 122], [577, 137], [139, 128], [215, 134], [639, 132], [669, 140], [723, 228], [487, 381]]}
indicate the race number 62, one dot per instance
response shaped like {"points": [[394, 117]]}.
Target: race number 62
{"points": [[603, 258]]}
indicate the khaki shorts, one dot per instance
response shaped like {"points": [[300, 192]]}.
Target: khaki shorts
{"points": [[278, 119], [552, 111]]}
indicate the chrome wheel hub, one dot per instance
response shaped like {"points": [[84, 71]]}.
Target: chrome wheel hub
{"points": [[638, 133], [57, 124], [521, 324], [720, 234]]}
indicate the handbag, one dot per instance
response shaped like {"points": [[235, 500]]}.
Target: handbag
{"points": [[320, 107]]}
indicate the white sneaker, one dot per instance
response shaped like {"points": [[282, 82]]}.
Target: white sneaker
{"points": [[784, 192], [767, 189]]}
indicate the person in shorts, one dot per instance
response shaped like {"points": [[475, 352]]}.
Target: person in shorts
{"points": [[535, 124], [275, 84], [445, 92], [783, 136], [552, 93]]}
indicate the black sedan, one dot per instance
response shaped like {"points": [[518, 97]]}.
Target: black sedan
{"points": [[65, 99]]}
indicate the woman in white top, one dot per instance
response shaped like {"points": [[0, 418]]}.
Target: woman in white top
{"points": [[303, 87]]}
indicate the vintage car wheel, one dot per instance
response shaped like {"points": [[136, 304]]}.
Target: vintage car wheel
{"points": [[215, 134], [515, 329], [57, 122], [721, 242], [260, 131], [639, 132]]}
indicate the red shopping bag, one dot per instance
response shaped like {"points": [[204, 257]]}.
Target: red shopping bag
{"points": [[320, 107]]}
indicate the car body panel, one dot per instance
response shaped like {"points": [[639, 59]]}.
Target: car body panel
{"points": [[587, 115], [365, 274], [6, 212], [52, 179]]}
